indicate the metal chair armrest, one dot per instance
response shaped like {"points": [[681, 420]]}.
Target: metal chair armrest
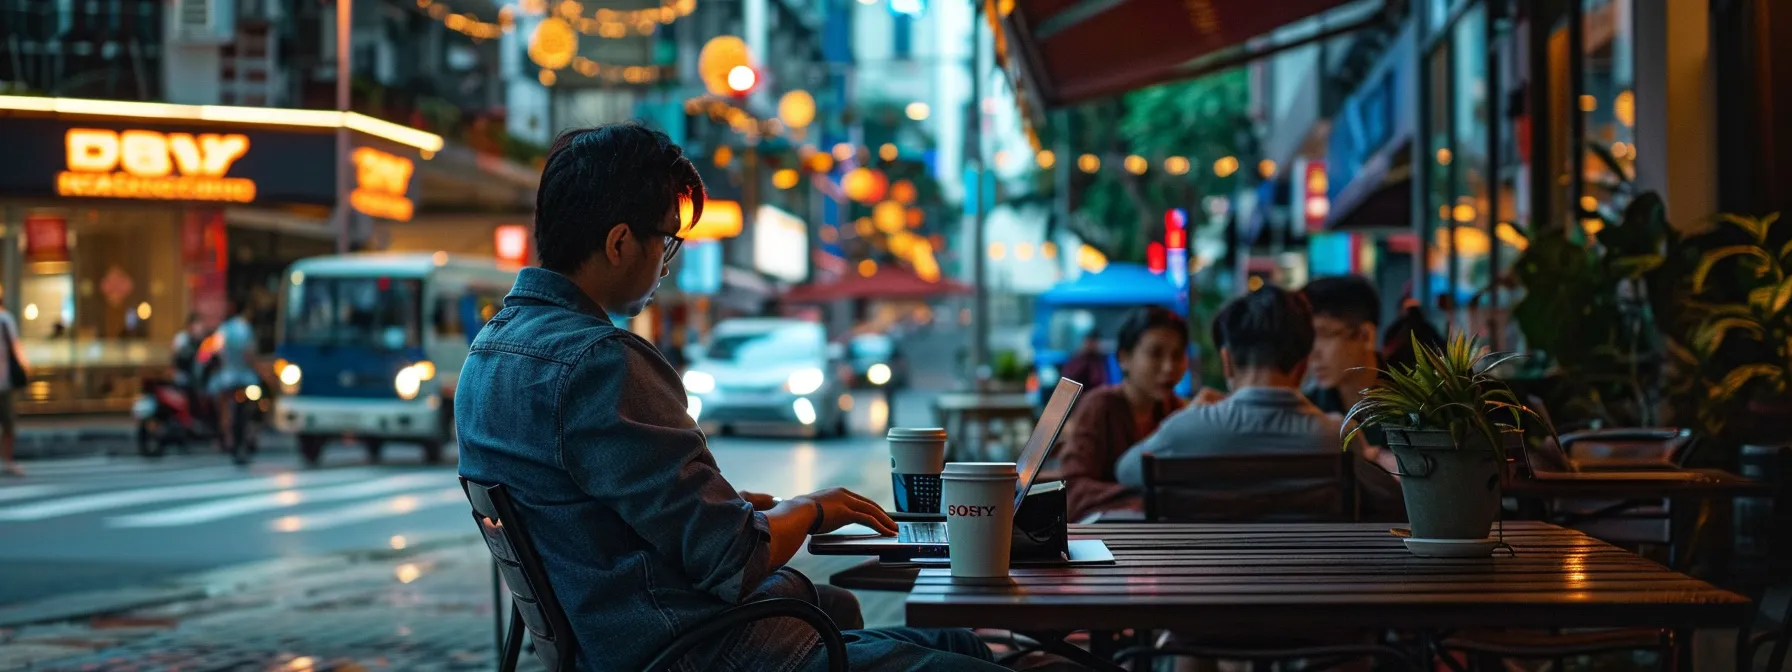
{"points": [[782, 607], [1623, 434]]}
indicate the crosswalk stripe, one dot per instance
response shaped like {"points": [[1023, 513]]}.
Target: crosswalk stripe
{"points": [[236, 506], [64, 506], [361, 512], [27, 491]]}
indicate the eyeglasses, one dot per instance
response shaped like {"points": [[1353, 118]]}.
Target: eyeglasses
{"points": [[673, 245], [674, 242]]}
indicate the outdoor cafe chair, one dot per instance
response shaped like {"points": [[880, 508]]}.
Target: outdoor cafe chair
{"points": [[1275, 487], [1778, 634], [533, 605]]}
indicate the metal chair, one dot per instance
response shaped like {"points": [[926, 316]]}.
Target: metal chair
{"points": [[1300, 487], [533, 605], [1778, 634], [1254, 488]]}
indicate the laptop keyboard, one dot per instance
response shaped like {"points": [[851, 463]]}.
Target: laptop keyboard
{"points": [[921, 533]]}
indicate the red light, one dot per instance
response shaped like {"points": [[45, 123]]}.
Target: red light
{"points": [[511, 242], [1154, 257], [1176, 239], [1175, 219], [384, 284]]}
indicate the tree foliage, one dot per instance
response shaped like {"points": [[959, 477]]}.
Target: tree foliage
{"points": [[1201, 120]]}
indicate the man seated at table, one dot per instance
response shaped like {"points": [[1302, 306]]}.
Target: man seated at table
{"points": [[641, 536], [1264, 340]]}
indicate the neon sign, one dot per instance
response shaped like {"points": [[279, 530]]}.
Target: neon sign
{"points": [[155, 166], [381, 184]]}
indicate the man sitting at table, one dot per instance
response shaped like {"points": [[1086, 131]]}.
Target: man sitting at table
{"points": [[641, 536], [1264, 340]]}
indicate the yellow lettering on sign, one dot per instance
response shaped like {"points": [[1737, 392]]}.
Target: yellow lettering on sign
{"points": [[149, 160], [382, 182]]}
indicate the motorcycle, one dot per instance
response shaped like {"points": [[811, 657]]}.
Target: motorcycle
{"points": [[245, 423], [166, 415]]}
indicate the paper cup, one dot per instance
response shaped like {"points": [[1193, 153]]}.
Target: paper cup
{"points": [[979, 504], [917, 455]]}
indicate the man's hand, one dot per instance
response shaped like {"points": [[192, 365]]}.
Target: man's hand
{"points": [[841, 507], [760, 501]]}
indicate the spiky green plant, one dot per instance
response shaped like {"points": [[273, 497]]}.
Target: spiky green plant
{"points": [[1449, 388]]}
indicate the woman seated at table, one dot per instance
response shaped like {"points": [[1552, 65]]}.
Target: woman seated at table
{"points": [[1153, 354]]}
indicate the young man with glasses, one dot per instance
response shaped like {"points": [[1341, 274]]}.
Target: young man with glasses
{"points": [[641, 536]]}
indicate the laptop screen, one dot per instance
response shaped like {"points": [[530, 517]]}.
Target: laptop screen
{"points": [[1045, 433]]}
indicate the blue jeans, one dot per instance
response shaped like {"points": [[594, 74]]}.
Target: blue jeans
{"points": [[911, 649]]}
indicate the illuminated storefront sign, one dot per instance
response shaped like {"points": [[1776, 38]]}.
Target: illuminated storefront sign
{"points": [[142, 164], [202, 161], [721, 219], [382, 184]]}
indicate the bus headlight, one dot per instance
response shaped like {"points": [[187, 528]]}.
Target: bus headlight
{"points": [[290, 375], [407, 383], [699, 382], [426, 370], [805, 381]]}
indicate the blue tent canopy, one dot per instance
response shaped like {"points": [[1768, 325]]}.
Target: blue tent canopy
{"points": [[1119, 284]]}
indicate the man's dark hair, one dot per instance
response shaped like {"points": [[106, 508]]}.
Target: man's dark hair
{"points": [[598, 178], [1145, 318], [1271, 327], [1351, 299]]}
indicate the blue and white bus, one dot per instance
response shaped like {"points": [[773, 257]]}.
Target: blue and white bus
{"points": [[370, 346]]}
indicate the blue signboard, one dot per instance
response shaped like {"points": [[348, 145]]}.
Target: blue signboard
{"points": [[702, 270]]}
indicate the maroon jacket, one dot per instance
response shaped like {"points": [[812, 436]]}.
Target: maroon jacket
{"points": [[1102, 428]]}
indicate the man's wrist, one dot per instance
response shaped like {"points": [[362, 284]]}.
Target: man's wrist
{"points": [[820, 517]]}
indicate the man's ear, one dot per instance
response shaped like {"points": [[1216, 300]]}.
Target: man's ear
{"points": [[1300, 370], [616, 244], [1373, 334]]}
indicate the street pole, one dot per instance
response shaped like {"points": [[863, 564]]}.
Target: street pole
{"points": [[344, 29], [979, 272]]}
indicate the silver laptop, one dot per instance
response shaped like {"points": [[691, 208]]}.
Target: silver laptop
{"points": [[1039, 445]]}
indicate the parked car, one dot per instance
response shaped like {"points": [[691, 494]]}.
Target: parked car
{"points": [[877, 361], [767, 371]]}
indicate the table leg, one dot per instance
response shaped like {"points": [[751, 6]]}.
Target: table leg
{"points": [[1681, 650]]}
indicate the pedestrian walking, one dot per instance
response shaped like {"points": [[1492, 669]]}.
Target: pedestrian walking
{"points": [[10, 384]]}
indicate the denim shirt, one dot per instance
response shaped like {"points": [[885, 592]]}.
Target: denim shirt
{"points": [[641, 536]]}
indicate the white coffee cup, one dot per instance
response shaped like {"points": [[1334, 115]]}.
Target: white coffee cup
{"points": [[917, 456], [978, 500]]}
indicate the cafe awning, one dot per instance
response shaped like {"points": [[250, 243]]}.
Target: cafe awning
{"points": [[1071, 51], [888, 283]]}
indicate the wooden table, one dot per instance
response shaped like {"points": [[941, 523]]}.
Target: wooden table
{"points": [[966, 415], [1298, 577], [1627, 490]]}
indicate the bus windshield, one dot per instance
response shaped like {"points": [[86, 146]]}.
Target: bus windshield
{"points": [[378, 312]]}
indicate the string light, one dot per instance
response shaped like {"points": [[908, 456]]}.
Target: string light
{"points": [[633, 74], [613, 24], [467, 24]]}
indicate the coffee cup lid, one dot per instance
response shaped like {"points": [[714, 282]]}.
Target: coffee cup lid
{"points": [[979, 470], [917, 434]]}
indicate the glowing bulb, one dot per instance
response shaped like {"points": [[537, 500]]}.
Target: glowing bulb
{"points": [[742, 78]]}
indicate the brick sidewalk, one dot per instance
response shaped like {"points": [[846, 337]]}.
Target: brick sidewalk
{"points": [[425, 611]]}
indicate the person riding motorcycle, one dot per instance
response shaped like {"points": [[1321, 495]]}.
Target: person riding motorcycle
{"points": [[233, 368]]}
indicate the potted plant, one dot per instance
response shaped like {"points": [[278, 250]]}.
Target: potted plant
{"points": [[1440, 419]]}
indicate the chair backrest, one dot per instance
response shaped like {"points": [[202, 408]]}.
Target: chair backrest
{"points": [[1251, 488], [524, 576]]}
